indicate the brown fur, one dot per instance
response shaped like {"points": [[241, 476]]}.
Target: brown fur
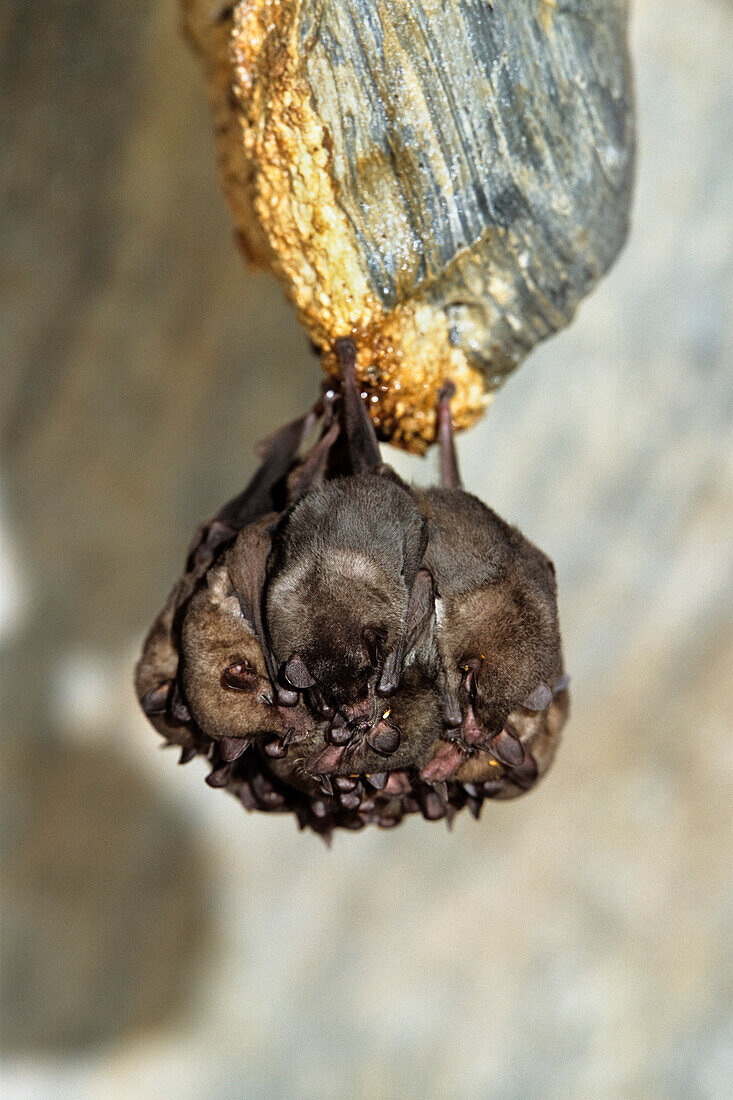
{"points": [[344, 561], [497, 605], [214, 636]]}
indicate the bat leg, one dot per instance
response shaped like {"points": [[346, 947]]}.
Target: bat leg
{"points": [[450, 475], [313, 469], [362, 439]]}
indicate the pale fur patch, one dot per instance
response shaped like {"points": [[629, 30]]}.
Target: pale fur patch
{"points": [[349, 564], [355, 566], [220, 592]]}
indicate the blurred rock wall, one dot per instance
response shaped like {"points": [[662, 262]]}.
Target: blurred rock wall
{"points": [[158, 941]]}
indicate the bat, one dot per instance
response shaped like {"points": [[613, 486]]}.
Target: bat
{"points": [[351, 649], [183, 687], [496, 607], [341, 579]]}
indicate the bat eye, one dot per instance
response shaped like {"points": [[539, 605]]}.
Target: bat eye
{"points": [[372, 638], [239, 677], [387, 712]]}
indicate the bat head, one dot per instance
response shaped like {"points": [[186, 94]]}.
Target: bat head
{"points": [[342, 567], [507, 641], [222, 671], [334, 617]]}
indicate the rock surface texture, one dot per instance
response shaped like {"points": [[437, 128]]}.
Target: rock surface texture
{"points": [[443, 181]]}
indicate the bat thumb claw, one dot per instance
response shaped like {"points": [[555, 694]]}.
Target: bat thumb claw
{"points": [[297, 674], [539, 699]]}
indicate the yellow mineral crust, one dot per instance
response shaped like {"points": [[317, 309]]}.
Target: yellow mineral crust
{"points": [[274, 155]]}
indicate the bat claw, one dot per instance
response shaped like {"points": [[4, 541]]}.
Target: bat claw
{"points": [[231, 748], [319, 704], [297, 674], [293, 736], [155, 701], [507, 748]]}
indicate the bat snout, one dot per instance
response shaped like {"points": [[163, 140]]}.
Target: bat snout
{"points": [[361, 714]]}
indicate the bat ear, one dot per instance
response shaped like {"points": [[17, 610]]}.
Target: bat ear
{"points": [[539, 699], [246, 562], [362, 439], [420, 607], [257, 499]]}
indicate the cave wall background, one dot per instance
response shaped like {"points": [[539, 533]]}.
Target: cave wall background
{"points": [[157, 940]]}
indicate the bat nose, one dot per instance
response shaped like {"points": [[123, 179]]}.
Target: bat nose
{"points": [[360, 714], [339, 732], [361, 725]]}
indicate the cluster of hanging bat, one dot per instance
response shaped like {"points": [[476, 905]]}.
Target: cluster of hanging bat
{"points": [[352, 649]]}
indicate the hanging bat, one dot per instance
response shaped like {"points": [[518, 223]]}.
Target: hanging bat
{"points": [[496, 606], [182, 697], [331, 699], [342, 577]]}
